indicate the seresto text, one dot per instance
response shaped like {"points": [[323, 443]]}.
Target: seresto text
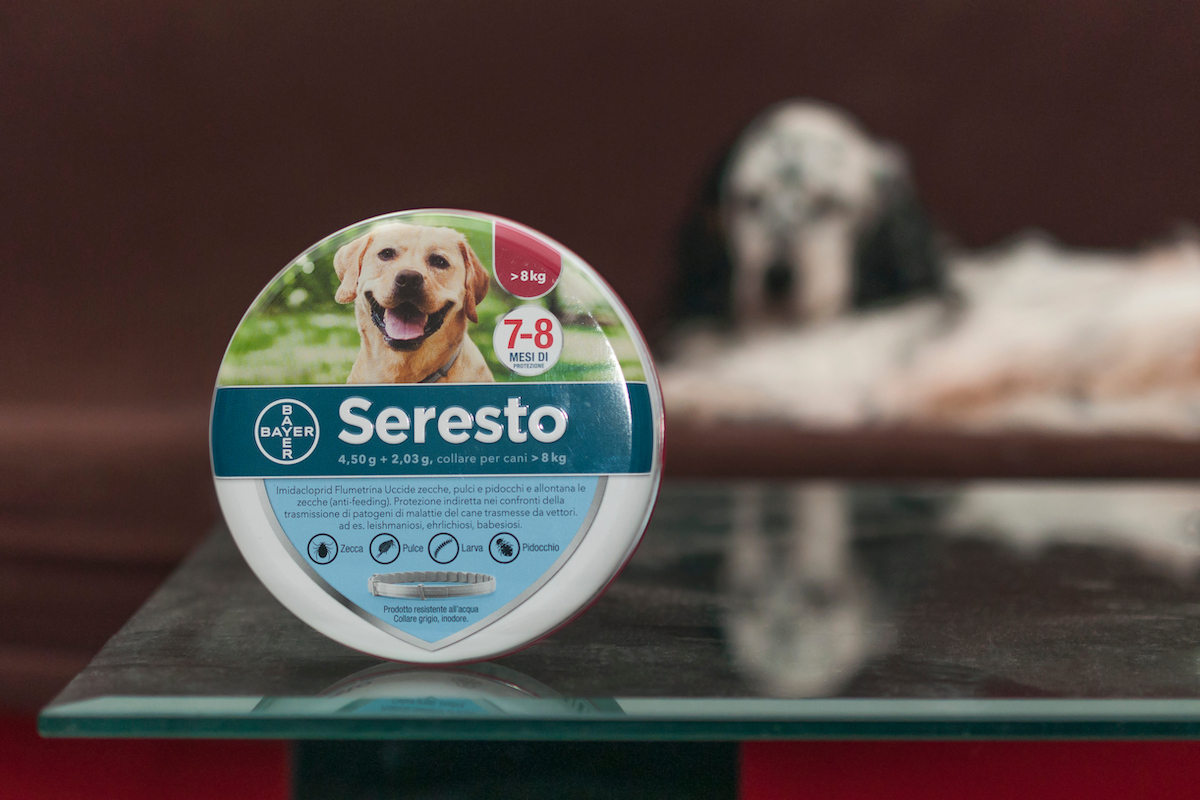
{"points": [[454, 424]]}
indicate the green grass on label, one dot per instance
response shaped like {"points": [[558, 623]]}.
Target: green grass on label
{"points": [[297, 333], [292, 348], [319, 348]]}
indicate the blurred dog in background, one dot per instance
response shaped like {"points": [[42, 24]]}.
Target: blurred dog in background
{"points": [[808, 220], [818, 219]]}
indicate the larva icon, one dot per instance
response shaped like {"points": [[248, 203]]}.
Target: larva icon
{"points": [[460, 412]]}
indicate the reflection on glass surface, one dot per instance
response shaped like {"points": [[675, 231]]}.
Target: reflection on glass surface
{"points": [[823, 577], [1159, 525], [800, 607], [750, 609], [482, 689]]}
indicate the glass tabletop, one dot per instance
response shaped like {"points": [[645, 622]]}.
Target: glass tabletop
{"points": [[751, 610]]}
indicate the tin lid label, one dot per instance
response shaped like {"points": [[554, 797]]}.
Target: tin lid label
{"points": [[526, 267], [426, 430], [428, 409], [434, 559]]}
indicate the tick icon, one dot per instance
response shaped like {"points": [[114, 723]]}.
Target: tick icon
{"points": [[322, 548]]}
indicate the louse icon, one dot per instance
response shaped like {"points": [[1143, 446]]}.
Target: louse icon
{"points": [[505, 547]]}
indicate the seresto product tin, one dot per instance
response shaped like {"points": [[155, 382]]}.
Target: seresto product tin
{"points": [[437, 436]]}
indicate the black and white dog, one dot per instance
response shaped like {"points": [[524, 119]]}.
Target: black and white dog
{"points": [[809, 219], [805, 219]]}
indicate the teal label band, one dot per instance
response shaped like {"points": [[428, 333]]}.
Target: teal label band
{"points": [[436, 429]]}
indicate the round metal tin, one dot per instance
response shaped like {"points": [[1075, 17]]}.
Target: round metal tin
{"points": [[437, 436]]}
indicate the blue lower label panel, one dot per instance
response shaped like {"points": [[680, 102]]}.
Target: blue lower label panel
{"points": [[500, 536]]}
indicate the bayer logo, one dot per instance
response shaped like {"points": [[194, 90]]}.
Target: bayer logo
{"points": [[286, 431]]}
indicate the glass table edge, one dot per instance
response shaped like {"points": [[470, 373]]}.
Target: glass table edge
{"points": [[690, 719]]}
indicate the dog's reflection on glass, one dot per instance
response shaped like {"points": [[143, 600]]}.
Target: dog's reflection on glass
{"points": [[825, 579], [802, 611]]}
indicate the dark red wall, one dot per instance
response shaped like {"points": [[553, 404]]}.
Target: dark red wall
{"points": [[159, 161], [162, 160]]}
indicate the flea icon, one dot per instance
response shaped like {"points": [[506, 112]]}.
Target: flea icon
{"points": [[322, 550], [385, 545]]}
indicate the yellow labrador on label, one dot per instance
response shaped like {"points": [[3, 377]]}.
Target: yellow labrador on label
{"points": [[414, 288]]}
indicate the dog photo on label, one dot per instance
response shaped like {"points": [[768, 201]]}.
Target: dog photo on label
{"points": [[414, 288]]}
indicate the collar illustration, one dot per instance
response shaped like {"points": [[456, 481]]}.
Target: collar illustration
{"points": [[417, 584]]}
